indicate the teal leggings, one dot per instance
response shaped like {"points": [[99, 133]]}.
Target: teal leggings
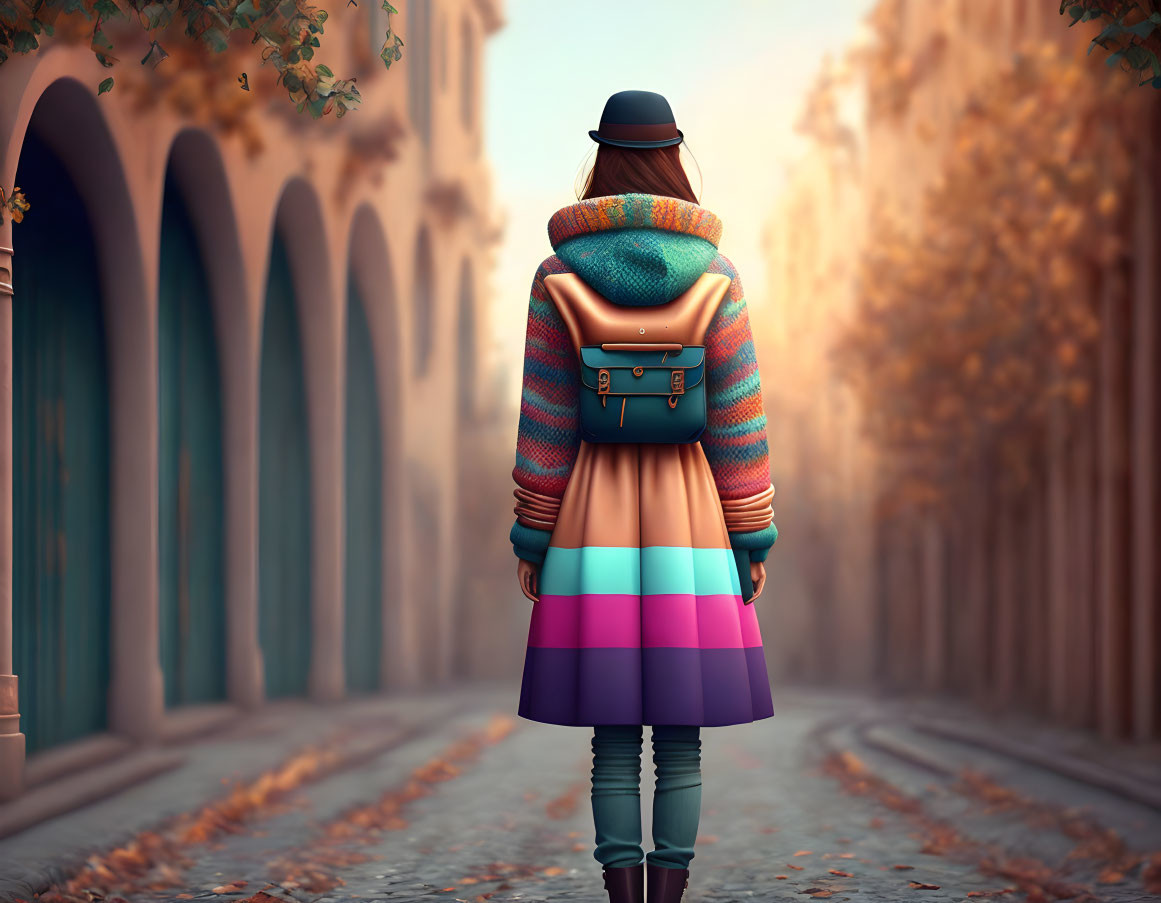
{"points": [[617, 794]]}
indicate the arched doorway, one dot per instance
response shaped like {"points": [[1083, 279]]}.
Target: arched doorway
{"points": [[364, 504], [423, 303], [61, 598], [466, 345], [192, 614], [284, 528]]}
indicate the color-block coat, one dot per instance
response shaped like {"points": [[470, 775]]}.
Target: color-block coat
{"points": [[641, 618]]}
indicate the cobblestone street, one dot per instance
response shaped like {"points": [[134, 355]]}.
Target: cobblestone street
{"points": [[833, 797]]}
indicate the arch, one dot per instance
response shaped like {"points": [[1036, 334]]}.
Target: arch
{"points": [[284, 482], [372, 270], [466, 344], [419, 72], [62, 600], [363, 503], [196, 168], [191, 496], [443, 50], [426, 581], [423, 303], [467, 73]]}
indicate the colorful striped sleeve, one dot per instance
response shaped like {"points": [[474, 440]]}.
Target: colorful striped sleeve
{"points": [[735, 436], [549, 435]]}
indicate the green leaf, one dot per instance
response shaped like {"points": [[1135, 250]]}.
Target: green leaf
{"points": [[324, 70], [24, 42], [105, 86], [389, 8], [1143, 29], [107, 9]]}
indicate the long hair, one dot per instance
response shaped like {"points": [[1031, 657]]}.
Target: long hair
{"points": [[637, 170]]}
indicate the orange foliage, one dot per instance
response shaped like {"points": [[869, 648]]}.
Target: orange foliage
{"points": [[975, 320]]}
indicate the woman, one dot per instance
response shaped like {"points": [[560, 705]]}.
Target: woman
{"points": [[643, 496]]}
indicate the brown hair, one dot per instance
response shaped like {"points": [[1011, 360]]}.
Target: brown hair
{"points": [[638, 170]]}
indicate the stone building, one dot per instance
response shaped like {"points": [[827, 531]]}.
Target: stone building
{"points": [[1045, 602], [237, 353]]}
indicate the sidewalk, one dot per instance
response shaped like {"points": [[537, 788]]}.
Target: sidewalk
{"points": [[320, 740]]}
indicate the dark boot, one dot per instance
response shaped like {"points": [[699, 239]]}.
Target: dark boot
{"points": [[667, 885], [626, 885]]}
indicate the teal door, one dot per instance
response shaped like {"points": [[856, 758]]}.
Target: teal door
{"points": [[283, 490], [364, 499], [60, 615], [192, 593]]}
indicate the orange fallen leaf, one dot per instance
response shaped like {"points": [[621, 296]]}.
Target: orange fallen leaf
{"points": [[841, 873], [791, 865], [919, 885], [782, 877], [903, 868], [804, 853], [553, 870]]}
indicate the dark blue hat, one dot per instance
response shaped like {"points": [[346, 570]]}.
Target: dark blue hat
{"points": [[637, 119]]}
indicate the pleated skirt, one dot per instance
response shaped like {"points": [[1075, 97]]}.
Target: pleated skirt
{"points": [[640, 618]]}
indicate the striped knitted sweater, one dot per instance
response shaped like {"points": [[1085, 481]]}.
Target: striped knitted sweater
{"points": [[639, 249]]}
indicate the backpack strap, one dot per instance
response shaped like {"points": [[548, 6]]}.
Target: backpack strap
{"points": [[592, 319]]}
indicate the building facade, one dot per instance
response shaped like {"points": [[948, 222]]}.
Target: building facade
{"points": [[1044, 600], [237, 354]]}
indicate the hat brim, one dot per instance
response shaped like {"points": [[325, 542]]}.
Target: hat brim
{"points": [[617, 142]]}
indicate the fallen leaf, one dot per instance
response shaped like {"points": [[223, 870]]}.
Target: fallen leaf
{"points": [[841, 873], [804, 853], [919, 885], [903, 868], [553, 870], [782, 877], [797, 868]]}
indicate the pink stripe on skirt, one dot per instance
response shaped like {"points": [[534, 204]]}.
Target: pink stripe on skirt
{"points": [[682, 620]]}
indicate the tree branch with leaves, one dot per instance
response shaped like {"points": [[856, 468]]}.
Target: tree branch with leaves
{"points": [[289, 32], [1131, 33]]}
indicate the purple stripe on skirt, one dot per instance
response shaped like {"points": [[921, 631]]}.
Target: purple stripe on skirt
{"points": [[663, 685]]}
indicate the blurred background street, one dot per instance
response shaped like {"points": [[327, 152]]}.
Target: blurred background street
{"points": [[259, 376]]}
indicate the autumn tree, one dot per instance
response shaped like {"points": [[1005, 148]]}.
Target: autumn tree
{"points": [[973, 321]]}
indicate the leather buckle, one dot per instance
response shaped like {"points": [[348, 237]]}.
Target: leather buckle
{"points": [[603, 386], [677, 382]]}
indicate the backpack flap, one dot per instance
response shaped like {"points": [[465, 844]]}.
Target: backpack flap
{"points": [[640, 394]]}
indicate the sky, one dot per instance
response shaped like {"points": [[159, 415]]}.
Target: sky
{"points": [[735, 72]]}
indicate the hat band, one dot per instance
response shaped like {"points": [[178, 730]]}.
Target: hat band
{"points": [[638, 132]]}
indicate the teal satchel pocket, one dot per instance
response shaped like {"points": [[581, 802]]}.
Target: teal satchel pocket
{"points": [[642, 393]]}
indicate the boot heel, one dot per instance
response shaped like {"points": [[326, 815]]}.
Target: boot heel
{"points": [[667, 885], [626, 885]]}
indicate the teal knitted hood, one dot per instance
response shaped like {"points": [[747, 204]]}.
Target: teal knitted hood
{"points": [[636, 249]]}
